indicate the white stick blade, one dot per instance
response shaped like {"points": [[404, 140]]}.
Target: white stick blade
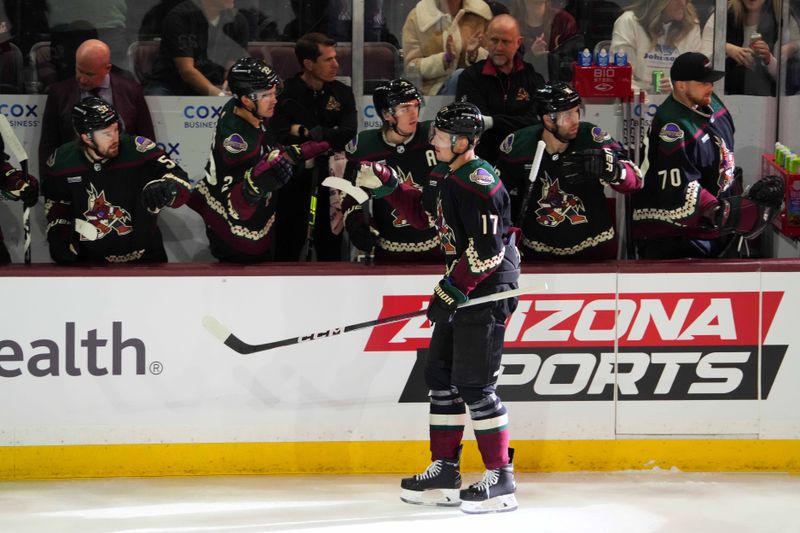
{"points": [[86, 230], [216, 328], [345, 186]]}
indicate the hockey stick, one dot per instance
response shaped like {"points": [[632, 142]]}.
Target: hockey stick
{"points": [[341, 184], [537, 161], [307, 251], [637, 156], [233, 342], [10, 139], [86, 230], [630, 249]]}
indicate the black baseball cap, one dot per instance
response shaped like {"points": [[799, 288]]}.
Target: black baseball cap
{"points": [[694, 66]]}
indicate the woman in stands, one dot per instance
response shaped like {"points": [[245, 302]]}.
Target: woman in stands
{"points": [[547, 29], [436, 43], [653, 33], [751, 46], [544, 26]]}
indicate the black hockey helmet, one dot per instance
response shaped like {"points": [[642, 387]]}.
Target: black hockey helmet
{"points": [[93, 113], [250, 75], [391, 94], [460, 118], [555, 97]]}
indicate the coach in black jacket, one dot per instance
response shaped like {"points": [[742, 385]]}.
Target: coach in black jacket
{"points": [[502, 86], [313, 106]]}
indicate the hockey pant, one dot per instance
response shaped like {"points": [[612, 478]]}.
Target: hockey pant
{"points": [[461, 372]]}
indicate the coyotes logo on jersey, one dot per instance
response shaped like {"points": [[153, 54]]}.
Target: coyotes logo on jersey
{"points": [[726, 165], [555, 205], [105, 216], [446, 234], [398, 221]]}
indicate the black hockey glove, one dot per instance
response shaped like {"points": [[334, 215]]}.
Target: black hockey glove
{"points": [[362, 235], [158, 194], [15, 187], [748, 215], [315, 133], [378, 179], [297, 154], [64, 251], [594, 163], [446, 298], [271, 173]]}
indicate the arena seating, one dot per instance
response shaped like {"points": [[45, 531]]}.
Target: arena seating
{"points": [[11, 69]]}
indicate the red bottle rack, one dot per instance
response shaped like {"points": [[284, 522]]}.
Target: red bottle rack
{"points": [[788, 222], [596, 81]]}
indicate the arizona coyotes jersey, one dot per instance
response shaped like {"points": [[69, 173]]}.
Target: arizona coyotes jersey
{"points": [[563, 220], [692, 164], [105, 198], [413, 161], [236, 229], [472, 212]]}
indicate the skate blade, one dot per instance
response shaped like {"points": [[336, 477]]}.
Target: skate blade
{"points": [[433, 497], [498, 504]]}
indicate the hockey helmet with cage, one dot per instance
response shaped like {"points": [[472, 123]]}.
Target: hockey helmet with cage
{"points": [[389, 95], [460, 118], [91, 114], [249, 76], [555, 97]]}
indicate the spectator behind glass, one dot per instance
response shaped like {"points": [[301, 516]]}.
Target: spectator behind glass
{"points": [[501, 86], [200, 40], [153, 19], [546, 29], [340, 22], [29, 23], [750, 65], [544, 26], [94, 76], [309, 16], [73, 22], [653, 33], [261, 26], [440, 36]]}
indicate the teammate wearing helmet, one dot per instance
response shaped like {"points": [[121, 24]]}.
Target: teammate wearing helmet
{"points": [[401, 143], [103, 191], [568, 216], [245, 168], [473, 216]]}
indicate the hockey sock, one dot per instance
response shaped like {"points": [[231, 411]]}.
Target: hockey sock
{"points": [[490, 423], [447, 418]]}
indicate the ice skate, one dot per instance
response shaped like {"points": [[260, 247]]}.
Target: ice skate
{"points": [[494, 493], [438, 485]]}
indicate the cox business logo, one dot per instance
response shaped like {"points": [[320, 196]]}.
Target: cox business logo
{"points": [[371, 116], [201, 116], [20, 110], [202, 112], [172, 150]]}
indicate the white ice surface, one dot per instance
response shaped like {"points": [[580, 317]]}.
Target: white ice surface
{"points": [[634, 502]]}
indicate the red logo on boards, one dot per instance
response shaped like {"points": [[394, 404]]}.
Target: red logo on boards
{"points": [[576, 320]]}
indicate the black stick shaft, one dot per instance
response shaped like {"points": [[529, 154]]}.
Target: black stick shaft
{"points": [[239, 346], [26, 217]]}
